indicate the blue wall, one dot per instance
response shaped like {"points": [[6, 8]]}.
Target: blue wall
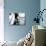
{"points": [[43, 6], [29, 7]]}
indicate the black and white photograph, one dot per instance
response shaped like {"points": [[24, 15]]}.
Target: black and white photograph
{"points": [[17, 18]]}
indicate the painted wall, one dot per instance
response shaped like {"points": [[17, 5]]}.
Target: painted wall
{"points": [[43, 6], [29, 7]]}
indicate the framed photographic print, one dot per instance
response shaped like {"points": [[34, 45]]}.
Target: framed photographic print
{"points": [[17, 18]]}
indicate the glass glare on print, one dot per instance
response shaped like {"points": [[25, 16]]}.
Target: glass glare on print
{"points": [[17, 18]]}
